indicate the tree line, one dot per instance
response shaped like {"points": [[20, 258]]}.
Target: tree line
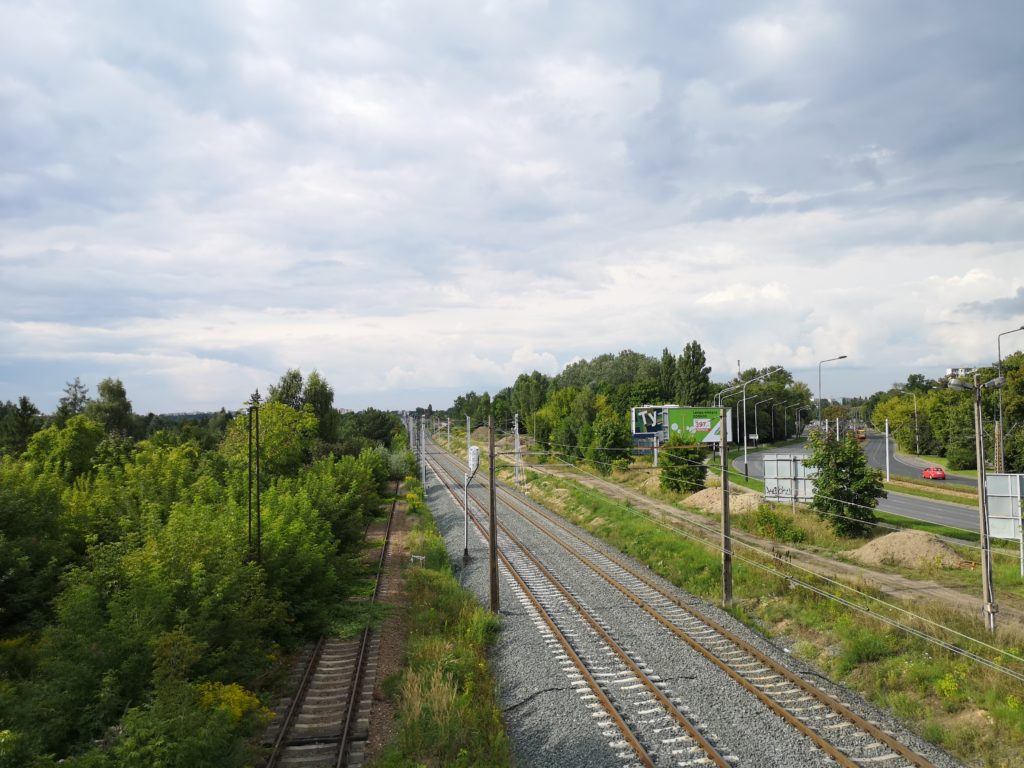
{"points": [[943, 424], [137, 628], [583, 412]]}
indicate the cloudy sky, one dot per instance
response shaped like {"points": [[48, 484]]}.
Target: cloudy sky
{"points": [[422, 198]]}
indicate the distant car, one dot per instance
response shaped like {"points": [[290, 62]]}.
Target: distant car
{"points": [[934, 473]]}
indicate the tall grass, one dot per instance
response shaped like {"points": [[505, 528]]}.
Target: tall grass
{"points": [[445, 693]]}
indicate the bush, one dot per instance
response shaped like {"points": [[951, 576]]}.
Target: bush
{"points": [[682, 466], [776, 525]]}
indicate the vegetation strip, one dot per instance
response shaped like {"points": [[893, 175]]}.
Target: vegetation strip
{"points": [[445, 694]]}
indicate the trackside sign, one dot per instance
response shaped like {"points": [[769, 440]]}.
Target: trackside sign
{"points": [[698, 425]]}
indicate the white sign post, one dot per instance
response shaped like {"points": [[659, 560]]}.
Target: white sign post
{"points": [[1004, 494], [786, 479]]}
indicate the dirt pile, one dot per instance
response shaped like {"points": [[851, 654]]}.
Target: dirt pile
{"points": [[907, 549], [710, 500]]}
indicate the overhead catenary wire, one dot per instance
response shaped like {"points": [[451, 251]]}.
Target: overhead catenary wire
{"points": [[845, 502], [924, 636]]}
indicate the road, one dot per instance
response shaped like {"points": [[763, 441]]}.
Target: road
{"points": [[943, 513]]}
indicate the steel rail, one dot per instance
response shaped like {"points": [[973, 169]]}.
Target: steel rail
{"points": [[712, 753], [282, 741], [364, 641], [825, 699]]}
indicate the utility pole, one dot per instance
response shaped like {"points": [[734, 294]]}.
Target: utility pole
{"points": [[254, 461], [467, 437], [726, 530], [986, 543], [493, 519], [423, 455], [517, 466], [917, 430], [448, 428], [887, 476]]}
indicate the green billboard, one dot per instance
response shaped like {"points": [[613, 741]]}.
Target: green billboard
{"points": [[697, 425]]}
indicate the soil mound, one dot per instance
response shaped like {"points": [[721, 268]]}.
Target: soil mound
{"points": [[909, 549], [710, 500]]}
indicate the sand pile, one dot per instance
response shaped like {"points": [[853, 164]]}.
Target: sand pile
{"points": [[909, 549], [710, 500]]}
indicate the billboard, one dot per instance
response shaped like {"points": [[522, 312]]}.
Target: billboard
{"points": [[1004, 493], [786, 479], [648, 420], [698, 425]]}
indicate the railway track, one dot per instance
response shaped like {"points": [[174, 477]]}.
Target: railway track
{"points": [[652, 724], [326, 723], [831, 725]]}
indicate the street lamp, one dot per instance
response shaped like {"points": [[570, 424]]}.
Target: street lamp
{"points": [[764, 375], [1000, 464], [831, 359], [988, 599], [756, 430]]}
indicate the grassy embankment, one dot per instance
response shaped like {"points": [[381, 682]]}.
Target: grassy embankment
{"points": [[445, 693], [975, 712]]}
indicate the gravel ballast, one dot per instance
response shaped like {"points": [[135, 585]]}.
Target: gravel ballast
{"points": [[738, 724]]}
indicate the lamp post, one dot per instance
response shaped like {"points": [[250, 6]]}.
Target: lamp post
{"points": [[987, 597], [761, 402], [765, 375], [785, 417], [830, 360], [1001, 458]]}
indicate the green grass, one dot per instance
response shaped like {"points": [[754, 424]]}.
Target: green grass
{"points": [[445, 694], [976, 713], [935, 495]]}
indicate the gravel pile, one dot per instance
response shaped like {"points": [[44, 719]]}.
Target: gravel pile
{"points": [[710, 500], [907, 549]]}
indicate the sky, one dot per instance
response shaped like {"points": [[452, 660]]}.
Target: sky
{"points": [[420, 199]]}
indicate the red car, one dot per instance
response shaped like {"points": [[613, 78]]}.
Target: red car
{"points": [[934, 473]]}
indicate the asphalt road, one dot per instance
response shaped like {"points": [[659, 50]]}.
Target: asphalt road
{"points": [[958, 515]]}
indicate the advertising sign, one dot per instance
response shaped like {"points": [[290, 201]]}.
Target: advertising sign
{"points": [[786, 479], [648, 420], [1004, 493], [698, 425]]}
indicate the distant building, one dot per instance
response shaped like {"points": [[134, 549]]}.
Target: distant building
{"points": [[956, 373]]}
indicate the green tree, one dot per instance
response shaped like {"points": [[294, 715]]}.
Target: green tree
{"points": [[319, 396], [693, 376], [111, 408], [667, 377], [19, 423], [69, 450], [288, 389], [284, 440], [846, 489], [682, 466], [610, 441], [76, 397]]}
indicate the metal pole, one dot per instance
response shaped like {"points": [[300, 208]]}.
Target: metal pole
{"points": [[655, 450], [887, 476], [726, 531], [773, 422], [467, 437], [917, 430], [249, 500], [999, 447], [259, 516], [493, 522], [819, 397], [423, 454], [448, 428], [989, 606], [465, 510], [746, 473]]}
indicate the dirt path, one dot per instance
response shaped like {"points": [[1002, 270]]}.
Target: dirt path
{"points": [[890, 584], [392, 633]]}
